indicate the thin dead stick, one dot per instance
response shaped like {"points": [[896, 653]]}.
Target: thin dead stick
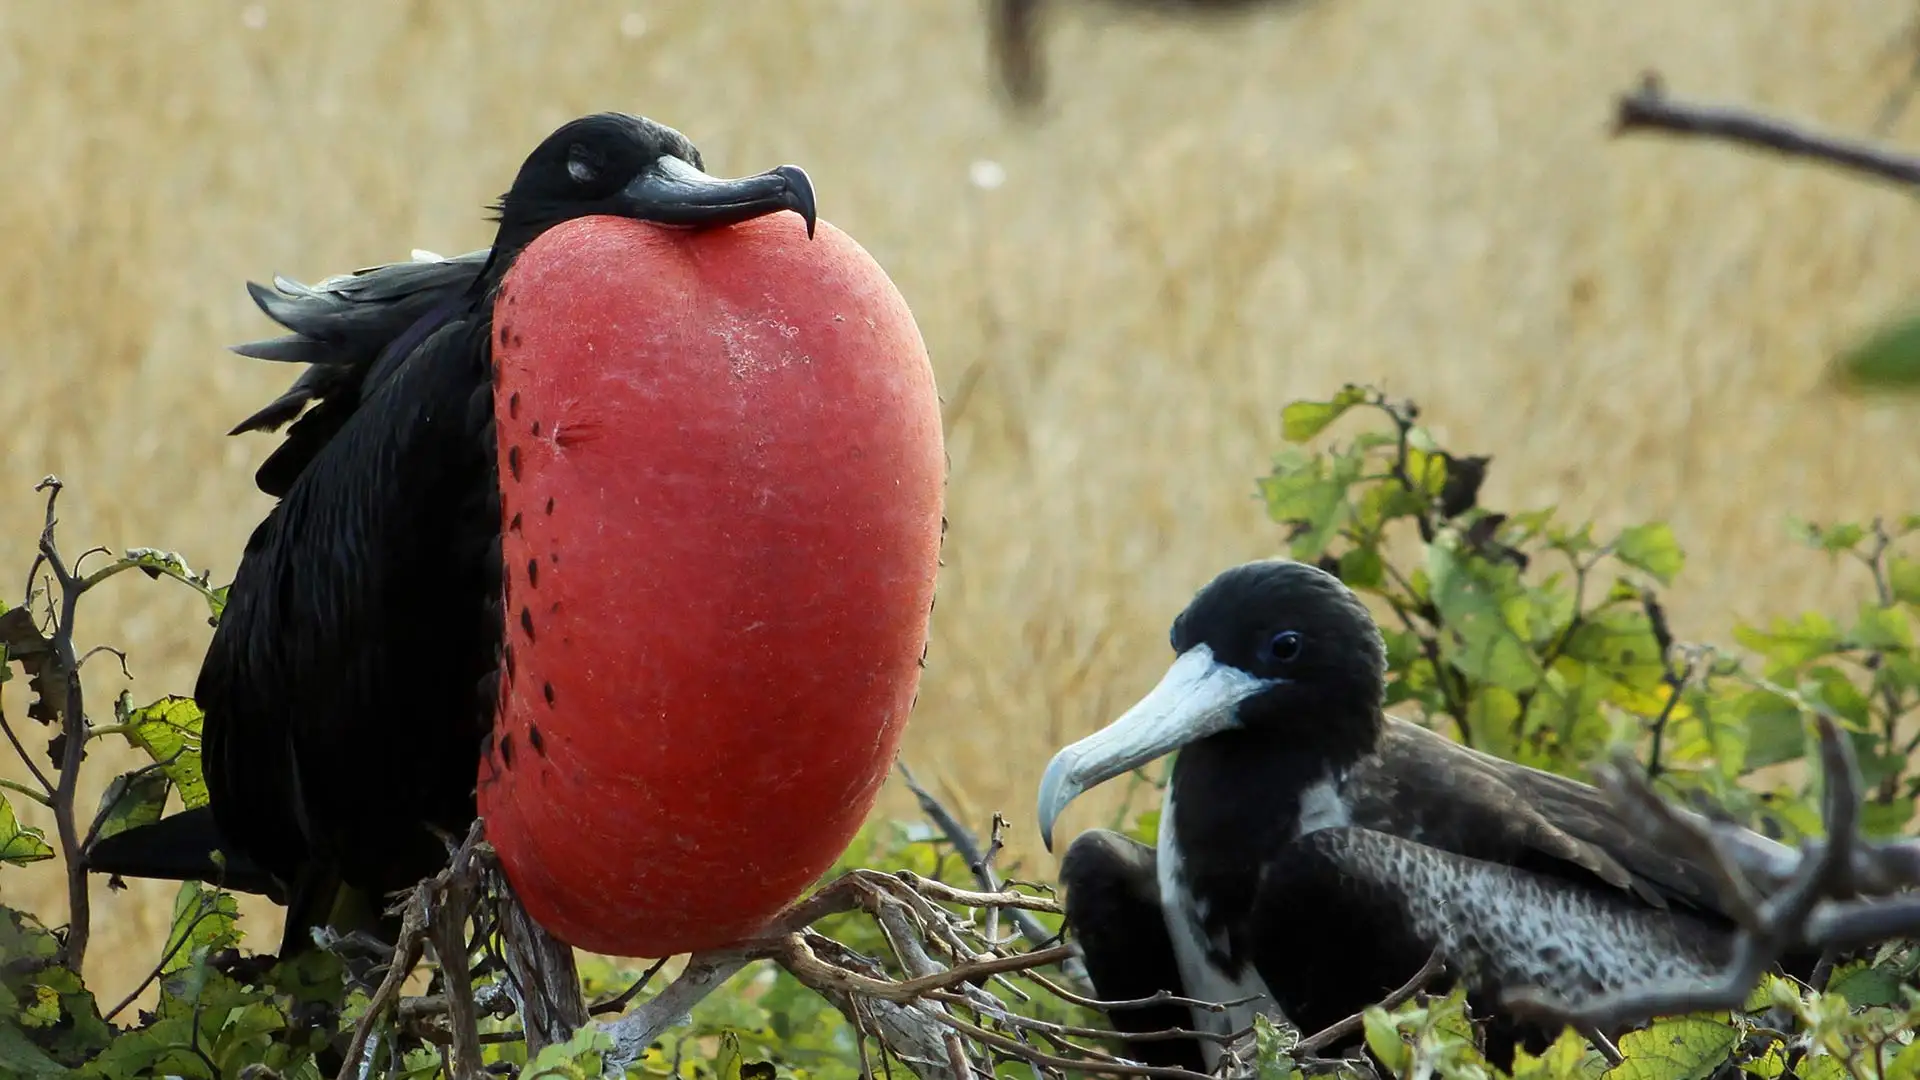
{"points": [[625, 997], [1163, 997], [447, 934], [406, 953], [1046, 1026], [978, 861], [1649, 109], [948, 894], [1101, 1064]]}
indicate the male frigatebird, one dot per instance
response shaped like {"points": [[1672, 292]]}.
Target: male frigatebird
{"points": [[631, 520], [1315, 852]]}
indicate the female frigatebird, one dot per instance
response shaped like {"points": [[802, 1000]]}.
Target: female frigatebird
{"points": [[1315, 852], [630, 521]]}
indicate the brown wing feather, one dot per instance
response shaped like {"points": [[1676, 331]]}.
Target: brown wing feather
{"points": [[1431, 789]]}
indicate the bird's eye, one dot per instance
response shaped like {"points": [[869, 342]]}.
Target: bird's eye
{"points": [[580, 165], [1284, 647]]}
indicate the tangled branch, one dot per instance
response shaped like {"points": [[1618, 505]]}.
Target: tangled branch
{"points": [[1832, 895], [929, 1006], [967, 846]]}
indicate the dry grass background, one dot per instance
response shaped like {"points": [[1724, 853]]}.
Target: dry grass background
{"points": [[1214, 219]]}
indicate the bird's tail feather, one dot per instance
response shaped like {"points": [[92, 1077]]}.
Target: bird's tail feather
{"points": [[180, 848]]}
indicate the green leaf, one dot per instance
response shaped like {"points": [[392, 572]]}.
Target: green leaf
{"points": [[203, 923], [1384, 1039], [1569, 1058], [169, 731], [1477, 599], [1380, 503], [1819, 1066], [1774, 729], [1618, 642], [1886, 820], [1650, 548], [1863, 985], [1767, 1066], [1271, 1057], [1302, 420], [45, 1010], [576, 1059], [1789, 643], [1830, 538], [1887, 360], [1903, 576], [1677, 1048], [1830, 687], [1146, 828], [20, 844], [726, 1064], [1882, 628], [20, 1057], [130, 801], [1427, 471], [1491, 714], [1309, 492], [60, 1016], [1361, 568]]}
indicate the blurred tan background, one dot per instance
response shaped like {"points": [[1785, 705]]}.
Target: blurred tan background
{"points": [[1209, 220]]}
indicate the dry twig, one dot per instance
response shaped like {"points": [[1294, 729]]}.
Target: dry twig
{"points": [[1650, 109], [980, 862]]}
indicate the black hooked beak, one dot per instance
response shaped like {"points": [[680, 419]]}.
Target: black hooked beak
{"points": [[673, 192]]}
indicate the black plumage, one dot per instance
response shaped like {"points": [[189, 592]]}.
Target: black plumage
{"points": [[1316, 850], [353, 678]]}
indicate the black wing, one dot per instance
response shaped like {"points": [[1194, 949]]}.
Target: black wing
{"points": [[353, 331], [1114, 916], [350, 681]]}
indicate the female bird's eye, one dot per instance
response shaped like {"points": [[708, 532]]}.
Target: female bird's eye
{"points": [[1284, 648]]}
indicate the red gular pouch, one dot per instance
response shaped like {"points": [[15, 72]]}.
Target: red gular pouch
{"points": [[722, 473]]}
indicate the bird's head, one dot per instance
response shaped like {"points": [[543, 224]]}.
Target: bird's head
{"points": [[1275, 646], [629, 166]]}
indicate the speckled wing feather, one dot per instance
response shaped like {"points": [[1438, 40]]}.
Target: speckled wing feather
{"points": [[1505, 812], [1349, 912]]}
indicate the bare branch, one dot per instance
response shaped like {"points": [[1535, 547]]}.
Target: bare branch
{"points": [[59, 670], [1649, 109], [115, 653]]}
